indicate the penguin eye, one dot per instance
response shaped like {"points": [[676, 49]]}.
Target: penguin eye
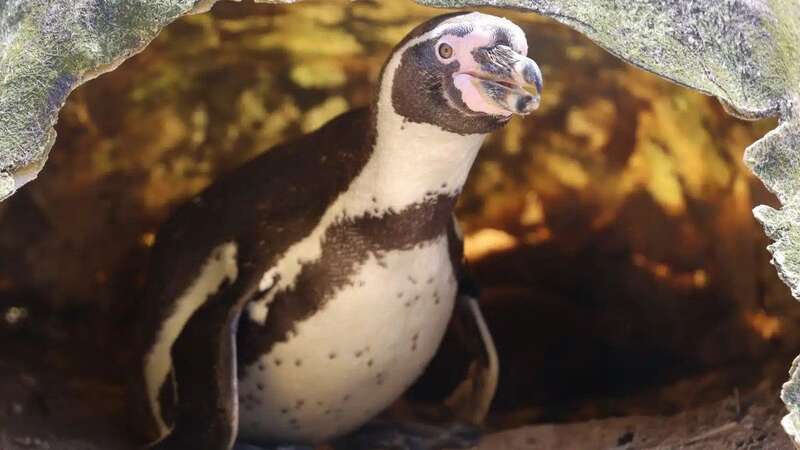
{"points": [[445, 51]]}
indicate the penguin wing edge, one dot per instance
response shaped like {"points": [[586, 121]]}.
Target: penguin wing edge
{"points": [[188, 367], [471, 399]]}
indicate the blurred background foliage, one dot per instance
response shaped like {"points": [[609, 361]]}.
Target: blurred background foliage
{"points": [[611, 230]]}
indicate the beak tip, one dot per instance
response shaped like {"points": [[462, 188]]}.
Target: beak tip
{"points": [[533, 75]]}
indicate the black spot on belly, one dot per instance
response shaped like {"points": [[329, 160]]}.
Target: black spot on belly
{"points": [[278, 361], [299, 403], [370, 362], [331, 355], [298, 362]]}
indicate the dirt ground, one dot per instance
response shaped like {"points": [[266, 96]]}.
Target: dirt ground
{"points": [[43, 410]]}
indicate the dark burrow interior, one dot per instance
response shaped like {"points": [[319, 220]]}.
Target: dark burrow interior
{"points": [[622, 271]]}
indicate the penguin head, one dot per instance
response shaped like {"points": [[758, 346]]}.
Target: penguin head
{"points": [[464, 72]]}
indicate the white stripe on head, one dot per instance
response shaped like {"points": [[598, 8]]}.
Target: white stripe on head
{"points": [[219, 267], [483, 27]]}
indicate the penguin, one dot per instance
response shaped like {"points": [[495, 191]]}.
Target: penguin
{"points": [[300, 295]]}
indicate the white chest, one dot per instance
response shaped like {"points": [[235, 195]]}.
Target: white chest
{"points": [[357, 354]]}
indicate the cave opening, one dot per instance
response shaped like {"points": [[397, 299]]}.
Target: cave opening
{"points": [[622, 271]]}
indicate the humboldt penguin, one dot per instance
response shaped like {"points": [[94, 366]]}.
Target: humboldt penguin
{"points": [[300, 295]]}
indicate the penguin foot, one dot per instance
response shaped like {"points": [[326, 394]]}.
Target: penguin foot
{"points": [[410, 436]]}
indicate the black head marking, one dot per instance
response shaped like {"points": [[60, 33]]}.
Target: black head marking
{"points": [[423, 92], [501, 37]]}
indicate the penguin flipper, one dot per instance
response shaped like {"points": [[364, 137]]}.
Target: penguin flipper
{"points": [[204, 367], [470, 400], [186, 392]]}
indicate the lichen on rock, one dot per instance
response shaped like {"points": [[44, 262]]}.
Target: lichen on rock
{"points": [[47, 48]]}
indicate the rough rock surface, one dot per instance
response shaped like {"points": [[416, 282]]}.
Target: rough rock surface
{"points": [[47, 48]]}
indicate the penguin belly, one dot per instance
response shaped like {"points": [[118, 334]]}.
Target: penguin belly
{"points": [[357, 354]]}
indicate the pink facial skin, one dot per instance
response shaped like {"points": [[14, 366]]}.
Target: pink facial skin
{"points": [[467, 80], [474, 98]]}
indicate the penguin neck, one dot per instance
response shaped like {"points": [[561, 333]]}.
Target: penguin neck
{"points": [[410, 163]]}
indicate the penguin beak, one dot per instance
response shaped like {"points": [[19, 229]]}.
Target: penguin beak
{"points": [[501, 78]]}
